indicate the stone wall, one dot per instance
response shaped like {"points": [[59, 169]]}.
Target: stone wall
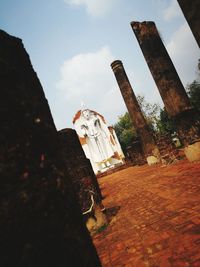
{"points": [[168, 151], [40, 221], [167, 148]]}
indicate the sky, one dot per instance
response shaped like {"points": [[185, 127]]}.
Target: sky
{"points": [[71, 44]]}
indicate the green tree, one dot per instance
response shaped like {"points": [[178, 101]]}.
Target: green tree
{"points": [[125, 131], [193, 91], [150, 111], [164, 123]]}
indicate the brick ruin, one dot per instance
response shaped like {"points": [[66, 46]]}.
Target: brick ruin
{"points": [[135, 155], [169, 152], [174, 96], [84, 180], [149, 146], [40, 220], [191, 12]]}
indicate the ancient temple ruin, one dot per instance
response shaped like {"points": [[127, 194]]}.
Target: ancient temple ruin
{"points": [[99, 142], [40, 220], [177, 104], [49, 191]]}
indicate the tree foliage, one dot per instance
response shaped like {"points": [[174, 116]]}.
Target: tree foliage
{"points": [[150, 111], [164, 123], [193, 91], [125, 131]]}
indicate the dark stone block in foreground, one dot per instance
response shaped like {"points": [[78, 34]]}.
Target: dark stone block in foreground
{"points": [[40, 222], [80, 169]]}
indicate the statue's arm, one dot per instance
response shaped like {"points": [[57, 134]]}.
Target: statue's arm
{"points": [[84, 129], [100, 128], [97, 122]]}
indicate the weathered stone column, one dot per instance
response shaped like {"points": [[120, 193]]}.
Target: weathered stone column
{"points": [[191, 11], [149, 146], [84, 180], [40, 220], [174, 96]]}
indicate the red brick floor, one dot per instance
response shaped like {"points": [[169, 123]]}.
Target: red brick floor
{"points": [[154, 215]]}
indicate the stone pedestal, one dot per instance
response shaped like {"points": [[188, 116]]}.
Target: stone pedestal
{"points": [[148, 143], [40, 220], [84, 180], [174, 96], [191, 12]]}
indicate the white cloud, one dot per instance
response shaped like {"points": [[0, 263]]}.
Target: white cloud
{"points": [[172, 11], [184, 53], [95, 8], [88, 77]]}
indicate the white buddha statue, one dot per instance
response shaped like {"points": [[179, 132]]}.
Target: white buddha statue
{"points": [[97, 137], [99, 143]]}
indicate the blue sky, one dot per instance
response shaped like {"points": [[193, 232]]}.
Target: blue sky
{"points": [[71, 44]]}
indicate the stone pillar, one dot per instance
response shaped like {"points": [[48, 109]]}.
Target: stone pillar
{"points": [[174, 96], [40, 220], [148, 143], [191, 11], [84, 180]]}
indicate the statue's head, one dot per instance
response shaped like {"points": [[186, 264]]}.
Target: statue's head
{"points": [[87, 114]]}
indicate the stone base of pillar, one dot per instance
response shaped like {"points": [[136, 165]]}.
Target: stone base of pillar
{"points": [[192, 152], [151, 160], [96, 220], [154, 158]]}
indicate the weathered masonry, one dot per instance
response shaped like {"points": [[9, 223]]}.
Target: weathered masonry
{"points": [[174, 96], [191, 11], [40, 220], [84, 180], [149, 146]]}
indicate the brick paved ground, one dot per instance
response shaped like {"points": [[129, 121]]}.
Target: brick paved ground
{"points": [[154, 217]]}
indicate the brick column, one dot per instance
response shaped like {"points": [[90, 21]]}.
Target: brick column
{"points": [[170, 87], [191, 11], [40, 219], [84, 180], [149, 147]]}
